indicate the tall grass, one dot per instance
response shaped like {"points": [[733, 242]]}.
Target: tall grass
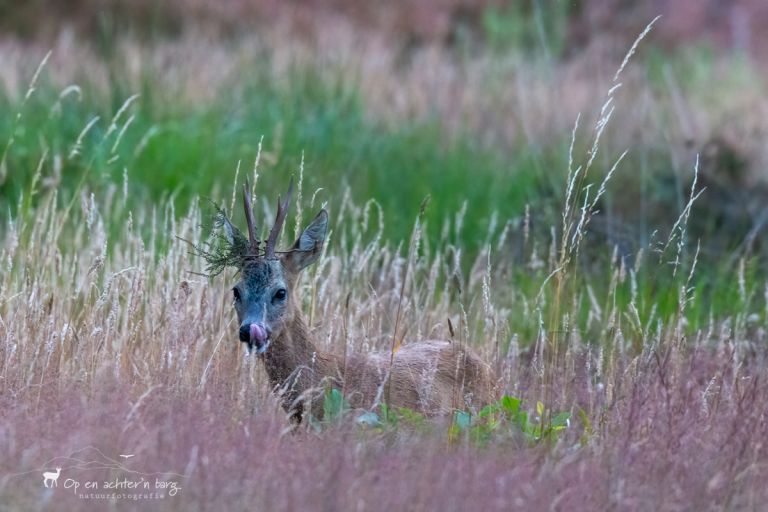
{"points": [[112, 340], [159, 152], [437, 122], [109, 342]]}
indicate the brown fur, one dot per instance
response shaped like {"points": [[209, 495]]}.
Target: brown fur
{"points": [[431, 377]]}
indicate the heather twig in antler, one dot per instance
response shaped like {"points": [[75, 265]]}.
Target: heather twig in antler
{"points": [[422, 376], [228, 248], [231, 248]]}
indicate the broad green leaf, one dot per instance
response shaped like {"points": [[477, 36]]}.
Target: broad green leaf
{"points": [[561, 420], [510, 405], [411, 416], [388, 416], [463, 419], [488, 410], [334, 405], [369, 419], [521, 418], [453, 432]]}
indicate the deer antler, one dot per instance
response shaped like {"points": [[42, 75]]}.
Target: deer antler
{"points": [[282, 210], [254, 241]]}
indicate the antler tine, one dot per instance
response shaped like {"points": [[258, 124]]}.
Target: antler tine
{"points": [[282, 210], [254, 249]]}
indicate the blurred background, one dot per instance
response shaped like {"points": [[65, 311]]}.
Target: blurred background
{"points": [[471, 101], [119, 117]]}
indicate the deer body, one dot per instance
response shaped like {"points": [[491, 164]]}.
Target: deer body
{"points": [[432, 377]]}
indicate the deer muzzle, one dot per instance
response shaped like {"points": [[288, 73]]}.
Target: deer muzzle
{"points": [[256, 335]]}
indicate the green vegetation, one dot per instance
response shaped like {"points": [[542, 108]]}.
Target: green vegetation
{"points": [[528, 27], [152, 149], [508, 417], [162, 150], [611, 274]]}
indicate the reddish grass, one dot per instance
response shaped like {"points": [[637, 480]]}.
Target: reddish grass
{"points": [[673, 431], [129, 354]]}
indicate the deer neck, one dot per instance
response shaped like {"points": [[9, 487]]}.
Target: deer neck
{"points": [[293, 361]]}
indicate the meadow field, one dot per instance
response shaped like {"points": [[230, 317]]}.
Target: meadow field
{"points": [[588, 215]]}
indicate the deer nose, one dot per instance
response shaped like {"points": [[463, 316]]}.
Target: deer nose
{"points": [[253, 332]]}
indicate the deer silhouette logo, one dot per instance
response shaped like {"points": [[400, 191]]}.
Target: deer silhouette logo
{"points": [[52, 476]]}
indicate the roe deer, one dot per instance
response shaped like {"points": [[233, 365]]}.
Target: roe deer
{"points": [[52, 476], [432, 377]]}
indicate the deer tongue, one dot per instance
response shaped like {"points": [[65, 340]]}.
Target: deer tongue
{"points": [[258, 334]]}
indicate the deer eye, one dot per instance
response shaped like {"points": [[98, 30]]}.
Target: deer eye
{"points": [[236, 293], [279, 295]]}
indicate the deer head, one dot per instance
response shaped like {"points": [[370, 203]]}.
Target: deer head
{"points": [[263, 298]]}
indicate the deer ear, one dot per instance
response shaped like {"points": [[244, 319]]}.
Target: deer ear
{"points": [[306, 250], [233, 236], [229, 230]]}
